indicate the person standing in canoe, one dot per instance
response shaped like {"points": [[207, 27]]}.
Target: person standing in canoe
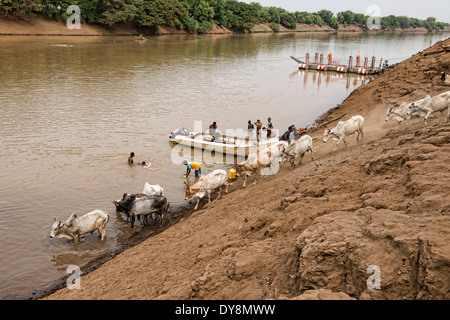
{"points": [[258, 125]]}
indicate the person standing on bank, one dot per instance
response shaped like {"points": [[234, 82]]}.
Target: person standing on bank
{"points": [[287, 135]]}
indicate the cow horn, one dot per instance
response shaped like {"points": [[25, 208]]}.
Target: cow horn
{"points": [[186, 184]]}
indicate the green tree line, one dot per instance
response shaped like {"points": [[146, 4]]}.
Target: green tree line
{"points": [[198, 15]]}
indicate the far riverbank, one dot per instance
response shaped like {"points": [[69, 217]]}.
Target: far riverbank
{"points": [[38, 25]]}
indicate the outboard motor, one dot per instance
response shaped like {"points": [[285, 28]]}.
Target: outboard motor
{"points": [[180, 132]]}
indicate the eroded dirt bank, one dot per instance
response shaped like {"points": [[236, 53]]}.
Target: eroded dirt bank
{"points": [[40, 25], [383, 202]]}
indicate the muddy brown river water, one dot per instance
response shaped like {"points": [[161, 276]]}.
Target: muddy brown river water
{"points": [[73, 108]]}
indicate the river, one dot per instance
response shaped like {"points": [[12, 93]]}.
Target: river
{"points": [[73, 108]]}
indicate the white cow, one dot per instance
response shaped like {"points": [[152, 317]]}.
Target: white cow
{"points": [[429, 105], [153, 189], [266, 161], [400, 113], [271, 154], [298, 148], [345, 128], [75, 227], [206, 185]]}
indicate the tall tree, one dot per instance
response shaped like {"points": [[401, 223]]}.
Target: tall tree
{"points": [[10, 8], [162, 12], [117, 11]]}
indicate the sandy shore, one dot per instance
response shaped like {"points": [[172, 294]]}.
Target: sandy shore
{"points": [[312, 232]]}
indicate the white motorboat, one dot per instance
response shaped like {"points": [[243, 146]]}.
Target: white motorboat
{"points": [[239, 146]]}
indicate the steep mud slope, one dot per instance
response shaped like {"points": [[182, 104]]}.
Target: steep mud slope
{"points": [[313, 232]]}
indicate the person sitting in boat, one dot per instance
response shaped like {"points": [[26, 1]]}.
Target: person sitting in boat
{"points": [[193, 165], [250, 126], [212, 129], [287, 135]]}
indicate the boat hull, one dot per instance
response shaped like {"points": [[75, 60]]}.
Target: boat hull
{"points": [[244, 148]]}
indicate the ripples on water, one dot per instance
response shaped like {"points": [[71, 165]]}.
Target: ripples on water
{"points": [[72, 109]]}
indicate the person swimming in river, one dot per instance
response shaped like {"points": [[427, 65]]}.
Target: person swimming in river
{"points": [[141, 164], [145, 165], [130, 159]]}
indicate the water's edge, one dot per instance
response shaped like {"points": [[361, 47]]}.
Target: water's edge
{"points": [[175, 214]]}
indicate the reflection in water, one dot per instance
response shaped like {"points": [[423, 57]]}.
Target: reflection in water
{"points": [[316, 77]]}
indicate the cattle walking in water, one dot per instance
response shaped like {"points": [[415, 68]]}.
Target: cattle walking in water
{"points": [[344, 129], [75, 227], [142, 206], [120, 207]]}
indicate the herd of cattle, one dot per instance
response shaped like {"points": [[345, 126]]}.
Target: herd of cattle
{"points": [[152, 202]]}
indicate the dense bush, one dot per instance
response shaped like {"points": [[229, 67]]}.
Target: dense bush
{"points": [[275, 26], [198, 15]]}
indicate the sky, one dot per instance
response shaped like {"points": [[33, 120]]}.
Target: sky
{"points": [[420, 9]]}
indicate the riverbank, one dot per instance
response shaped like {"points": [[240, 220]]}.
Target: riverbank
{"points": [[38, 25], [383, 202]]}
